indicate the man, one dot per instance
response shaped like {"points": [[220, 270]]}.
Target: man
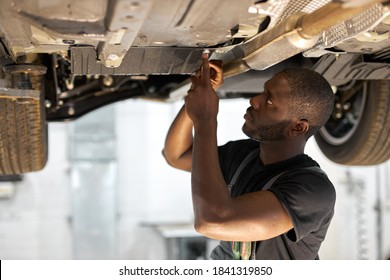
{"points": [[290, 219]]}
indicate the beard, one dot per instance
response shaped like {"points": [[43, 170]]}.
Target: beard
{"points": [[266, 132]]}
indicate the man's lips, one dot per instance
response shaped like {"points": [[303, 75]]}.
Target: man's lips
{"points": [[247, 115]]}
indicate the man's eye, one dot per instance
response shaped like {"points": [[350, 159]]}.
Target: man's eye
{"points": [[269, 101]]}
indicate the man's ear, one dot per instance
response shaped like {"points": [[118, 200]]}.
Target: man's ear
{"points": [[299, 128]]}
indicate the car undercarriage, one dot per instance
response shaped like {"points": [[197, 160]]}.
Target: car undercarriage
{"points": [[62, 59]]}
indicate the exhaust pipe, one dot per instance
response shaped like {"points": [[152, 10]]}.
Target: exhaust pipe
{"points": [[294, 35]]}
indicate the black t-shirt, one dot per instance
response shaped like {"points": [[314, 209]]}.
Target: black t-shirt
{"points": [[308, 197]]}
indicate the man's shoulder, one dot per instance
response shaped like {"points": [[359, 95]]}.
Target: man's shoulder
{"points": [[309, 176]]}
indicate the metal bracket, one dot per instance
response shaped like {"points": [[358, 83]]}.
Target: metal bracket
{"points": [[138, 60], [126, 21]]}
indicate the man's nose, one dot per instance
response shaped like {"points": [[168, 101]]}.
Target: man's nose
{"points": [[254, 102]]}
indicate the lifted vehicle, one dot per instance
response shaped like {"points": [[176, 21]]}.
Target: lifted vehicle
{"points": [[61, 59]]}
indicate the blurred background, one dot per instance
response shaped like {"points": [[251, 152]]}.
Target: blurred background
{"points": [[107, 193]]}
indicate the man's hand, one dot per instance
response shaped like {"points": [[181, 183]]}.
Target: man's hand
{"points": [[202, 101], [216, 74]]}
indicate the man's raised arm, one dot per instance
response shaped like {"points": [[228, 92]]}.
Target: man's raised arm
{"points": [[178, 143]]}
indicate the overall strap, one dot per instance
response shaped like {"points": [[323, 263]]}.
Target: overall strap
{"points": [[242, 250], [276, 177], [244, 163]]}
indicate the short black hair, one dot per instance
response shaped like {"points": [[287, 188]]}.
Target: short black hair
{"points": [[311, 97]]}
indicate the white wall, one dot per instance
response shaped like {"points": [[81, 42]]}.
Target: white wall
{"points": [[34, 224]]}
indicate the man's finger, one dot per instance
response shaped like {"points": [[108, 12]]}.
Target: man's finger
{"points": [[194, 81], [215, 62], [216, 65], [197, 74], [205, 67]]}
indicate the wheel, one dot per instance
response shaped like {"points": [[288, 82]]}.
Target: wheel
{"points": [[358, 132], [23, 128]]}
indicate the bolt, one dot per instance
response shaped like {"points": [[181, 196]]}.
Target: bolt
{"points": [[47, 103], [113, 60], [366, 50], [252, 10], [112, 56], [68, 42], [346, 106], [108, 81], [71, 111]]}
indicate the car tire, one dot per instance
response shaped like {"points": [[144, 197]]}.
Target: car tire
{"points": [[358, 132], [23, 127], [23, 138]]}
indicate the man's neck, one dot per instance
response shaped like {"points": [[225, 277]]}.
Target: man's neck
{"points": [[276, 151]]}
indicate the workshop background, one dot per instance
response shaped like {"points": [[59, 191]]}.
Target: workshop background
{"points": [[107, 193]]}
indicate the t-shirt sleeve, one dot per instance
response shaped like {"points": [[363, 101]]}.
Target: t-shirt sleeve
{"points": [[309, 199]]}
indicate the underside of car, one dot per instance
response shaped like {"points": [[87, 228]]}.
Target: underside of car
{"points": [[61, 59]]}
